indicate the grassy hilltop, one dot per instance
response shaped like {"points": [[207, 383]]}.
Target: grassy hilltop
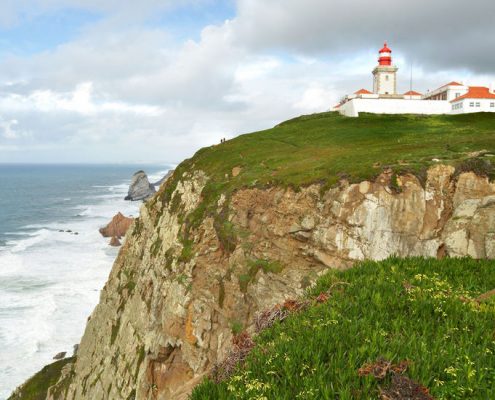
{"points": [[323, 147]]}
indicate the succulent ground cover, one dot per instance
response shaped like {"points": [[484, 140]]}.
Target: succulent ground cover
{"points": [[397, 329]]}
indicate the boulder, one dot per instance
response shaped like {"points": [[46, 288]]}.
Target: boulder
{"points": [[60, 356], [236, 171], [117, 227], [140, 187], [115, 242]]}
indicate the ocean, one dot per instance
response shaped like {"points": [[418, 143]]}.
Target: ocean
{"points": [[50, 278]]}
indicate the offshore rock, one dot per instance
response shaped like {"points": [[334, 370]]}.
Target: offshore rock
{"points": [[166, 312], [140, 187], [60, 356], [117, 228], [114, 242]]}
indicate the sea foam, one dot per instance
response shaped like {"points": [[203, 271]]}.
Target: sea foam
{"points": [[50, 281]]}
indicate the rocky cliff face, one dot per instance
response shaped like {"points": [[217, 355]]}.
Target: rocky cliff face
{"points": [[179, 284]]}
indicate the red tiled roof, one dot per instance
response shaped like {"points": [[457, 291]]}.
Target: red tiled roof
{"points": [[476, 92], [412, 93], [363, 91], [453, 84]]}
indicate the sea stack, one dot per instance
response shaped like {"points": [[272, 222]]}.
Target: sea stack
{"points": [[140, 187], [118, 227]]}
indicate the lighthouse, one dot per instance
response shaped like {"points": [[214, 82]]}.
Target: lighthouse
{"points": [[385, 74], [452, 98]]}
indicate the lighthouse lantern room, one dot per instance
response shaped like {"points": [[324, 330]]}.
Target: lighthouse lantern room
{"points": [[385, 74]]}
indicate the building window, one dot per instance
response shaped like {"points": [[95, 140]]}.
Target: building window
{"points": [[471, 104], [492, 105], [386, 77], [478, 105], [457, 95]]}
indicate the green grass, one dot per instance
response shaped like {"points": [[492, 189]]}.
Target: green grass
{"points": [[254, 266], [236, 327], [187, 251], [399, 309], [266, 266], [37, 386], [322, 148]]}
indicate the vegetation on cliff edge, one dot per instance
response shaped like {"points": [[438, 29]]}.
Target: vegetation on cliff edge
{"points": [[422, 318], [36, 387], [324, 148]]}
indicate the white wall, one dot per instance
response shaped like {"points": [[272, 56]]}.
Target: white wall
{"points": [[348, 109], [473, 106], [394, 106], [456, 91]]}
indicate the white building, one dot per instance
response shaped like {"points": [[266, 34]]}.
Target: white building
{"points": [[477, 99], [452, 98]]}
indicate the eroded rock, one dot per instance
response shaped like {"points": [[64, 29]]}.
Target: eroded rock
{"points": [[60, 356], [236, 171], [118, 227], [140, 187], [114, 242]]}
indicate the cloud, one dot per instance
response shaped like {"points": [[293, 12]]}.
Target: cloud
{"points": [[447, 34], [314, 99], [14, 12], [80, 101], [8, 128]]}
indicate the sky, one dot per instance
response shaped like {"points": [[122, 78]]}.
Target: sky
{"points": [[122, 81]]}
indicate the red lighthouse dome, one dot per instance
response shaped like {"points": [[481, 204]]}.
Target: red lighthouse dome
{"points": [[385, 55]]}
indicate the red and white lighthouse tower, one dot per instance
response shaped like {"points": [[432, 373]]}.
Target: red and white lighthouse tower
{"points": [[385, 74], [385, 55]]}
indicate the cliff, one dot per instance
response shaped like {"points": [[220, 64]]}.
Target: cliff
{"points": [[246, 224]]}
